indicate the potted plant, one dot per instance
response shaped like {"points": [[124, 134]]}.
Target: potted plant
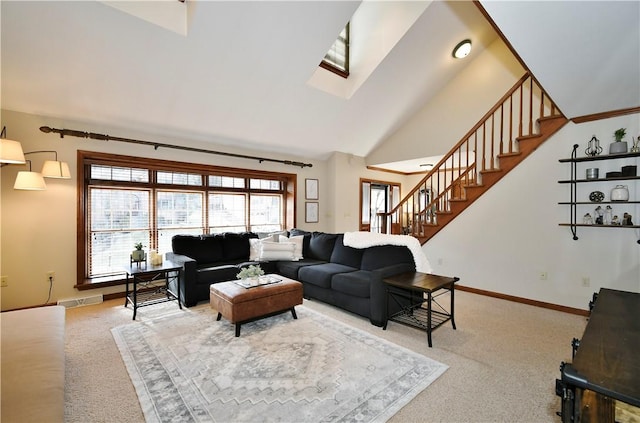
{"points": [[619, 146], [138, 253], [251, 272]]}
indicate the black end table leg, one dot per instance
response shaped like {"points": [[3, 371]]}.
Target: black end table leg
{"points": [[219, 316], [429, 318], [453, 322], [237, 330], [293, 312], [135, 297], [126, 292], [385, 316]]}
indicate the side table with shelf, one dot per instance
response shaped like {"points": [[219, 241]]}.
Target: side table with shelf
{"points": [[408, 290], [574, 203], [151, 284]]}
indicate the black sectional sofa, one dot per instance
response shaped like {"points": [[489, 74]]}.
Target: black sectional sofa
{"points": [[331, 272]]}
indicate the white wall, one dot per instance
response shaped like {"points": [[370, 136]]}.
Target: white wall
{"points": [[454, 110], [510, 235], [38, 228], [344, 173]]}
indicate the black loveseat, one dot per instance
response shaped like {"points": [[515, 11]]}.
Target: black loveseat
{"points": [[331, 272]]}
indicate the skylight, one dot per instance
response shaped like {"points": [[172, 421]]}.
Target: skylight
{"points": [[337, 58]]}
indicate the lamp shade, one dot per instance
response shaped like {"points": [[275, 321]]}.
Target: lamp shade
{"points": [[11, 151], [56, 169], [31, 181]]}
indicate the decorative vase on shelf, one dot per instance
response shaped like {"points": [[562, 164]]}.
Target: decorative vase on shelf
{"points": [[620, 193], [636, 145]]}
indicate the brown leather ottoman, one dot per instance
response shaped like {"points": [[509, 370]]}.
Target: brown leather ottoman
{"points": [[241, 305]]}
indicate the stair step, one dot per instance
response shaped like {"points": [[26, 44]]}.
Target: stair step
{"points": [[507, 161]]}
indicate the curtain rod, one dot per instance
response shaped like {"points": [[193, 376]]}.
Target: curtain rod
{"points": [[156, 145]]}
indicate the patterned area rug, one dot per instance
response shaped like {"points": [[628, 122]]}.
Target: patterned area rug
{"points": [[188, 367]]}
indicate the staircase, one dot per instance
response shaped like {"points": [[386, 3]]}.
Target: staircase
{"points": [[521, 121]]}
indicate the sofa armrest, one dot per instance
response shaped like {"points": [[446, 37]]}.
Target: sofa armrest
{"points": [[378, 295], [188, 277]]}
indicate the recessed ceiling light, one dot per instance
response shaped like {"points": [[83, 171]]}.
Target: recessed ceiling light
{"points": [[462, 49]]}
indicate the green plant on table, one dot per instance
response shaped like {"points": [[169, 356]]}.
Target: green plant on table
{"points": [[138, 246], [252, 271]]}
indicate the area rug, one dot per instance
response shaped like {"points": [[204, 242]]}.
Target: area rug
{"points": [[188, 367]]}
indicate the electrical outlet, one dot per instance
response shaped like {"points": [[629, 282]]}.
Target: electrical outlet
{"points": [[586, 282], [51, 276], [543, 276], [4, 281]]}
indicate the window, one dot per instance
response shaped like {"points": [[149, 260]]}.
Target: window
{"points": [[337, 58], [122, 204]]}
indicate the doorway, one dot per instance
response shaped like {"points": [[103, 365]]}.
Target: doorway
{"points": [[377, 197]]}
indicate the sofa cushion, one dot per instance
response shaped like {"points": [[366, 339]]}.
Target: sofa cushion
{"points": [[236, 245], [385, 255], [346, 255], [356, 284], [203, 249], [321, 274], [321, 246], [290, 269]]}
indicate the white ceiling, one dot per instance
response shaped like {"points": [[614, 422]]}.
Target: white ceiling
{"points": [[240, 75]]}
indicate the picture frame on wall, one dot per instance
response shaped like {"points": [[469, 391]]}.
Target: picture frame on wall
{"points": [[311, 189], [311, 211]]}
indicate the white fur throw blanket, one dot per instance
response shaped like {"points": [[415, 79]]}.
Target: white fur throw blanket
{"points": [[371, 239]]}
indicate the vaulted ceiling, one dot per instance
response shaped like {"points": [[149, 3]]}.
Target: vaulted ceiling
{"points": [[241, 74]]}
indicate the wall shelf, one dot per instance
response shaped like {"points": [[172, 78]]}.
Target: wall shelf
{"points": [[574, 203]]}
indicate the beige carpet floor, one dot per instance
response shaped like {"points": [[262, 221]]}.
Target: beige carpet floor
{"points": [[503, 361]]}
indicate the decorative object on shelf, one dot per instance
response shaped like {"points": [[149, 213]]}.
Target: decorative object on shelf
{"points": [[608, 215], [614, 174], [620, 193], [599, 213], [615, 220], [596, 196], [593, 173], [587, 219], [629, 170], [593, 147], [137, 255], [253, 271], [618, 146], [626, 220], [636, 145]]}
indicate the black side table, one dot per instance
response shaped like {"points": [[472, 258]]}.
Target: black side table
{"points": [[151, 284], [408, 289]]}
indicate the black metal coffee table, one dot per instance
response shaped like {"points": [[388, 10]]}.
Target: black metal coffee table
{"points": [[418, 310]]}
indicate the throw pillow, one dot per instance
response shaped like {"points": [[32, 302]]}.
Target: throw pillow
{"points": [[276, 251], [298, 241], [255, 246]]}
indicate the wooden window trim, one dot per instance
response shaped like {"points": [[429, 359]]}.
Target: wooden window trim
{"points": [[87, 158]]}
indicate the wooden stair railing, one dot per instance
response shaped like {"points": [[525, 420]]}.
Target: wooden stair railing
{"points": [[494, 146]]}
